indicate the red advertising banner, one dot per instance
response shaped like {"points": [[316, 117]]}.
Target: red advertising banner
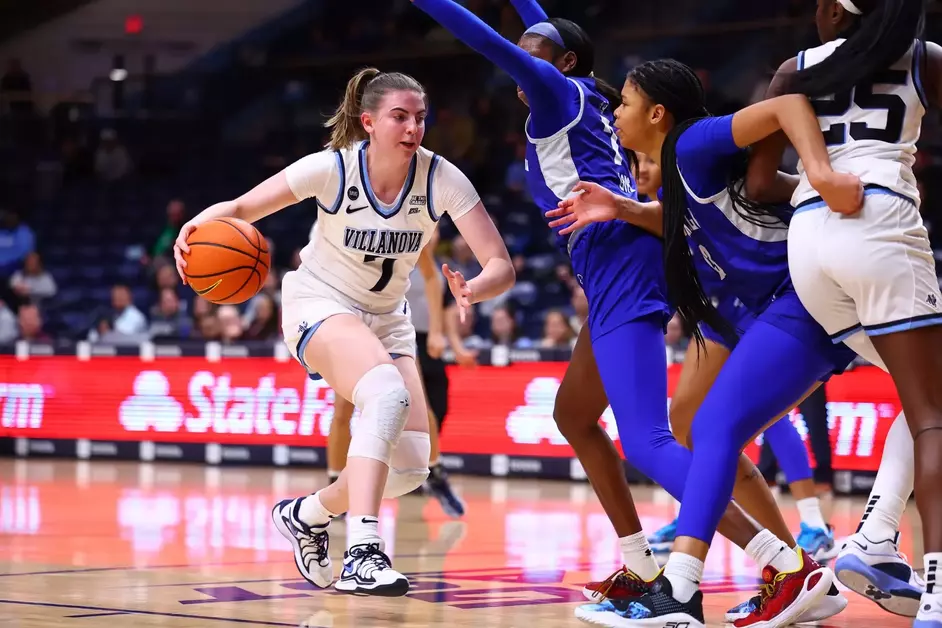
{"points": [[262, 401]]}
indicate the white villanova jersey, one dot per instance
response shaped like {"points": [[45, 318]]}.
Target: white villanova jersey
{"points": [[871, 131], [361, 247]]}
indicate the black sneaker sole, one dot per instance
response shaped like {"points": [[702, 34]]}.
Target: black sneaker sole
{"points": [[396, 589]]}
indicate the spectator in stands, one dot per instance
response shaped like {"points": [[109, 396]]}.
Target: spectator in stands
{"points": [[163, 247], [8, 325], [270, 291], [515, 179], [265, 324], [167, 319], [230, 323], [452, 135], [16, 242], [31, 324], [462, 258], [208, 328], [126, 319], [580, 306], [557, 332], [16, 88], [33, 284], [504, 330], [112, 161]]}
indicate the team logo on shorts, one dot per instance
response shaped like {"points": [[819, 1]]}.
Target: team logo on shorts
{"points": [[932, 301], [303, 327], [353, 193]]}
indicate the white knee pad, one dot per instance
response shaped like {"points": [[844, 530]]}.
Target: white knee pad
{"points": [[384, 402], [408, 468]]}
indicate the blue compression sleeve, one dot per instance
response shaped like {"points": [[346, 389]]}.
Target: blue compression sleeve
{"points": [[774, 369], [789, 450], [553, 99], [530, 12], [705, 152]]}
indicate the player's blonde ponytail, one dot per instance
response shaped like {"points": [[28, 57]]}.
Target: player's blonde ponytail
{"points": [[364, 92]]}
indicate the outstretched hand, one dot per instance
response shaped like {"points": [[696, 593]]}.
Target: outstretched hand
{"points": [[589, 203], [459, 289]]}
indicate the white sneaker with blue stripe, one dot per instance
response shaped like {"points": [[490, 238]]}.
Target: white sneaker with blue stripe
{"points": [[367, 570], [930, 611], [310, 543], [877, 571]]}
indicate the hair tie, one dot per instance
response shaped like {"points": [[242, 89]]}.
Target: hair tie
{"points": [[545, 29]]}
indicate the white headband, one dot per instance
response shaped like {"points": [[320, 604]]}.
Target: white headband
{"points": [[850, 6]]}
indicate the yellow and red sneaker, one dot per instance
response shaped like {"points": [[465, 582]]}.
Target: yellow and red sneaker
{"points": [[624, 586], [788, 595]]}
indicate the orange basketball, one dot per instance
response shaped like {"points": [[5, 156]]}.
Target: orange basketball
{"points": [[228, 261]]}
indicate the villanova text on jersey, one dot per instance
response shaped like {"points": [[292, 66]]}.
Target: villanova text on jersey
{"points": [[382, 241]]}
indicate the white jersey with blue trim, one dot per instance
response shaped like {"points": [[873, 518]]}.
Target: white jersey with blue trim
{"points": [[361, 247], [871, 130]]}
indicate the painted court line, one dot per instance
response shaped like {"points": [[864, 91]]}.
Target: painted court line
{"points": [[123, 611]]}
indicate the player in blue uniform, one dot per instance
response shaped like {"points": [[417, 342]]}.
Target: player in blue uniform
{"points": [[783, 353], [699, 370]]}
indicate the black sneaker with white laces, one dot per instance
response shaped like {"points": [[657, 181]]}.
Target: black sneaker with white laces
{"points": [[310, 543], [367, 570]]}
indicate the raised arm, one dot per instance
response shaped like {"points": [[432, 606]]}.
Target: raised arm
{"points": [[530, 12], [543, 84]]}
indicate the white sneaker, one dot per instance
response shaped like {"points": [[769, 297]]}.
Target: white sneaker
{"points": [[310, 543], [930, 611], [367, 570], [877, 571]]}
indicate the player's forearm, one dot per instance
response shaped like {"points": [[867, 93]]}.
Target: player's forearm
{"points": [[529, 11], [225, 209], [799, 122], [451, 329], [497, 277], [649, 216]]}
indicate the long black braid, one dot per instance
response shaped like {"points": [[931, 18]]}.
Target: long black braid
{"points": [[675, 86]]}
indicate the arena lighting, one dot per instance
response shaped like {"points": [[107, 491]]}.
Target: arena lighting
{"points": [[118, 74], [133, 24]]}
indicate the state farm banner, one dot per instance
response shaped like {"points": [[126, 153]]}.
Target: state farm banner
{"points": [[263, 401]]}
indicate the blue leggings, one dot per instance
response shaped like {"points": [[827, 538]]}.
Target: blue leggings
{"points": [[632, 363], [766, 359], [789, 449]]}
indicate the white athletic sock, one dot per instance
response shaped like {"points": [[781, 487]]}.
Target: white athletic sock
{"points": [[684, 573], [933, 564], [638, 557], [892, 486], [362, 530], [810, 510], [313, 512], [767, 549]]}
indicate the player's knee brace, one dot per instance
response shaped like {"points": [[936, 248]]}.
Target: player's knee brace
{"points": [[384, 404], [408, 468]]}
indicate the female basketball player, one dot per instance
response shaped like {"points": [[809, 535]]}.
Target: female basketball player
{"points": [[425, 297], [783, 353], [344, 315], [569, 133], [697, 376], [700, 368], [871, 83]]}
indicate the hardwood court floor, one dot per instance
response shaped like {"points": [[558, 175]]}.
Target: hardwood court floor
{"points": [[140, 545]]}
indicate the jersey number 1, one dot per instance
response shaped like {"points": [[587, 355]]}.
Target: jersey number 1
{"points": [[386, 274], [862, 95]]}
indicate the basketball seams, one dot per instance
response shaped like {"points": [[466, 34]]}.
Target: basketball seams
{"points": [[223, 272], [257, 247]]}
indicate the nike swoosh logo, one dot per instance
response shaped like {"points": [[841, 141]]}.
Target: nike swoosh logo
{"points": [[352, 210], [209, 289], [861, 546]]}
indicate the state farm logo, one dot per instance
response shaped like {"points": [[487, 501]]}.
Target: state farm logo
{"points": [[22, 405], [533, 423], [222, 408]]}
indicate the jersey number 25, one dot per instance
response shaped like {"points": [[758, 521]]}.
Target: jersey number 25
{"points": [[862, 95]]}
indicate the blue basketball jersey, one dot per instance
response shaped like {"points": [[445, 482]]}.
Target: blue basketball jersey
{"points": [[586, 149], [734, 257]]}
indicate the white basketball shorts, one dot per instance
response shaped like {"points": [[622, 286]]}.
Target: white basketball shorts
{"points": [[872, 272], [306, 302]]}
